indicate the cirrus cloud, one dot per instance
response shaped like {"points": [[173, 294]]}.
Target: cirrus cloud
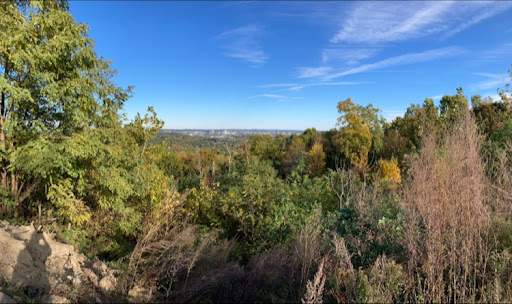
{"points": [[383, 22], [244, 43]]}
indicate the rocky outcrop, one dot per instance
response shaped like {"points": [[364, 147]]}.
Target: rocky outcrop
{"points": [[5, 299], [33, 265]]}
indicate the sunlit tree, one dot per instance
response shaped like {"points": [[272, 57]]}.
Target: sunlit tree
{"points": [[360, 130]]}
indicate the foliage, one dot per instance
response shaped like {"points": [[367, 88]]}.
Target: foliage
{"points": [[267, 147], [315, 160], [389, 172], [352, 114], [68, 206], [371, 224], [403, 136], [355, 135], [386, 280], [62, 138], [179, 142], [293, 155], [452, 107], [417, 209]]}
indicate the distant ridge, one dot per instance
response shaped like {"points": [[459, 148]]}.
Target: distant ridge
{"points": [[229, 132], [234, 130]]}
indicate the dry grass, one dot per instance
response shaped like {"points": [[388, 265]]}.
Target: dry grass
{"points": [[308, 249], [186, 267], [341, 272], [165, 255], [385, 281], [315, 289], [500, 190], [276, 275], [499, 194], [271, 276], [447, 218], [161, 262]]}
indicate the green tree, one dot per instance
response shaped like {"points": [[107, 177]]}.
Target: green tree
{"points": [[476, 100], [62, 140], [404, 134], [293, 154], [315, 160], [453, 106], [142, 129], [361, 130], [52, 87], [267, 147], [311, 136]]}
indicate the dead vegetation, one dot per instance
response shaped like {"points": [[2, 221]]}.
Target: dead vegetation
{"points": [[447, 218], [181, 265]]}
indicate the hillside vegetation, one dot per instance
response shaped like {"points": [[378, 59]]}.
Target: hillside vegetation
{"points": [[414, 210]]}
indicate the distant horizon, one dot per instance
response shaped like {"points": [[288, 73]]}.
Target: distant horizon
{"points": [[230, 129], [252, 130], [285, 65]]}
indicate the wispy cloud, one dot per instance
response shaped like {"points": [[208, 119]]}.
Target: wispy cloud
{"points": [[277, 85], [492, 81], [349, 56], [287, 87], [487, 10], [376, 22], [316, 84], [308, 72], [276, 97], [399, 60], [244, 43], [294, 87], [496, 53], [323, 13], [372, 22]]}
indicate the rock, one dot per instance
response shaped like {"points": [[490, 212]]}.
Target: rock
{"points": [[40, 265], [139, 294], [6, 299], [108, 283], [91, 276], [30, 291], [100, 268], [54, 299], [76, 280], [98, 300]]}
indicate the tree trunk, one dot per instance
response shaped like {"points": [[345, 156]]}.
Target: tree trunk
{"points": [[3, 146]]}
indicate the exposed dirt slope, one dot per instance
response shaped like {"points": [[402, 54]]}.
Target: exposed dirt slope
{"points": [[34, 267]]}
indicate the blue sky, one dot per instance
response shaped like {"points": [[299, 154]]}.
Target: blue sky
{"points": [[285, 65]]}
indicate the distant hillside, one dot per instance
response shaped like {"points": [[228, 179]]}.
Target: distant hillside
{"points": [[192, 141], [229, 132]]}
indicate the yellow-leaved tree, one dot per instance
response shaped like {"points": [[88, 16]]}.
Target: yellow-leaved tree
{"points": [[388, 171], [360, 131], [315, 160]]}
